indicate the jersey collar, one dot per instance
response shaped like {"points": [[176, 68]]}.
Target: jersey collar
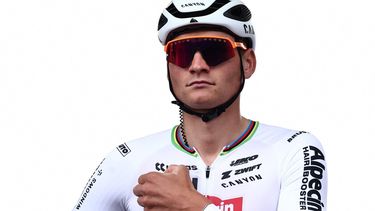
{"points": [[178, 142]]}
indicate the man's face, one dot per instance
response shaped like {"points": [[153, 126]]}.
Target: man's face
{"points": [[201, 86]]}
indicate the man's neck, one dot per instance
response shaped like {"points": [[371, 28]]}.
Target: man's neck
{"points": [[209, 138]]}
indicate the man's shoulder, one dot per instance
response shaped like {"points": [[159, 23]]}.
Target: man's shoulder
{"points": [[270, 134], [144, 145], [131, 155], [286, 143], [154, 139]]}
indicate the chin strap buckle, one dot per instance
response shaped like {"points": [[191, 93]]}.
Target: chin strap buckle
{"points": [[206, 117], [211, 114]]}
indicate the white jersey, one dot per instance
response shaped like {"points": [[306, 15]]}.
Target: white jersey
{"points": [[265, 169]]}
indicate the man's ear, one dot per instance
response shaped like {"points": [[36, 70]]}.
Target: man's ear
{"points": [[249, 62]]}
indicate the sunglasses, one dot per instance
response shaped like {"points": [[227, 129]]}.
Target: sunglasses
{"points": [[214, 50]]}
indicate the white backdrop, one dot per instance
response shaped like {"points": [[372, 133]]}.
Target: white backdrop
{"points": [[78, 77]]}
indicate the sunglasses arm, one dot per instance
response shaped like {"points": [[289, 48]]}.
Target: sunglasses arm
{"points": [[239, 45]]}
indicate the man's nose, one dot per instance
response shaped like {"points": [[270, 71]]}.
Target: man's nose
{"points": [[198, 63]]}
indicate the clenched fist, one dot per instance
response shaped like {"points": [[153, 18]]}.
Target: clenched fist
{"points": [[171, 190]]}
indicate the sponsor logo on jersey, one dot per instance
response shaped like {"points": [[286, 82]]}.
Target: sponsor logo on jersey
{"points": [[90, 184], [295, 135], [310, 197], [160, 166], [241, 181], [227, 174], [193, 4], [163, 167], [234, 204], [243, 160], [123, 149]]}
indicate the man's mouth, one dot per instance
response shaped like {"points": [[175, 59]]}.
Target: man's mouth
{"points": [[200, 82]]}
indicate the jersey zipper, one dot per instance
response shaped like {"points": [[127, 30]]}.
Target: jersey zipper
{"points": [[208, 169]]}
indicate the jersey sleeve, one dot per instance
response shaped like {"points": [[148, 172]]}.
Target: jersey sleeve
{"points": [[107, 188], [303, 175]]}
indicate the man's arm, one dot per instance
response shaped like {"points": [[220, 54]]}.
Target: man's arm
{"points": [[102, 191], [304, 176]]}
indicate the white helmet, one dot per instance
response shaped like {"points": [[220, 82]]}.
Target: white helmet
{"points": [[231, 16]]}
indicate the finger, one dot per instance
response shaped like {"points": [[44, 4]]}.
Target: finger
{"points": [[141, 201], [177, 169], [138, 190], [146, 177], [145, 189], [141, 179], [171, 168], [180, 170], [155, 209], [183, 171], [149, 201]]}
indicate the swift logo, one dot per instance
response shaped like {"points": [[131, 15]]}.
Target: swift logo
{"points": [[226, 174], [234, 204]]}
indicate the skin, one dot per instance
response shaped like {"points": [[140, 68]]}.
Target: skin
{"points": [[201, 87], [171, 190]]}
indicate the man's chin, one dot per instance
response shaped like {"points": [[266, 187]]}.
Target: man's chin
{"points": [[201, 108], [202, 104]]}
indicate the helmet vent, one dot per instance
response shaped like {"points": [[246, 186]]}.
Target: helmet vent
{"points": [[162, 21], [238, 12]]}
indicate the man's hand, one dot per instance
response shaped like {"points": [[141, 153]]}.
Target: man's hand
{"points": [[171, 190]]}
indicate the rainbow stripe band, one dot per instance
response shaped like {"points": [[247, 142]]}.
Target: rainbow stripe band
{"points": [[246, 136], [178, 141]]}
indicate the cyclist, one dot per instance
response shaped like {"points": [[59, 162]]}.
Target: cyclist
{"points": [[215, 159]]}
